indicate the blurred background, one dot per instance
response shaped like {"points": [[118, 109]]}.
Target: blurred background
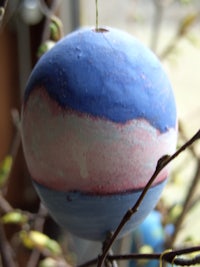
{"points": [[171, 28]]}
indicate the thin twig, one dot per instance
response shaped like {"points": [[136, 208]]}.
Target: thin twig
{"points": [[194, 202], [186, 204], [41, 218], [17, 135], [181, 32], [170, 257], [34, 258], [3, 6], [38, 225], [49, 13], [183, 135], [157, 21], [162, 162], [6, 250], [4, 205]]}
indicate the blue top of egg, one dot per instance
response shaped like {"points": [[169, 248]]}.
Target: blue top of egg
{"points": [[108, 74]]}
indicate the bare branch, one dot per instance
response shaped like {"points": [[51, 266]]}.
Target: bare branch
{"points": [[49, 14], [4, 205], [173, 257], [162, 162], [186, 205], [3, 5], [38, 225], [6, 250]]}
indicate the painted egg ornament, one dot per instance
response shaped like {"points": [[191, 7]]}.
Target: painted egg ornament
{"points": [[98, 113]]}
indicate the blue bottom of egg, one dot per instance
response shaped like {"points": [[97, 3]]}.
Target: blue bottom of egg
{"points": [[97, 215]]}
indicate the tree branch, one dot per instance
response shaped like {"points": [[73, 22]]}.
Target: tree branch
{"points": [[6, 250], [172, 257], [38, 225], [3, 5], [4, 205], [186, 205], [162, 162]]}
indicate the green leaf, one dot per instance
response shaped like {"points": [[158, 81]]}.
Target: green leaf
{"points": [[187, 22], [56, 29], [48, 262], [45, 47], [34, 239], [16, 217], [146, 249], [58, 262], [5, 168], [175, 212]]}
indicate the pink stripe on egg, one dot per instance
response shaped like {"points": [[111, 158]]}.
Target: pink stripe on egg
{"points": [[67, 151]]}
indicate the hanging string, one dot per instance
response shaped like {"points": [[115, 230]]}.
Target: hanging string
{"points": [[97, 15]]}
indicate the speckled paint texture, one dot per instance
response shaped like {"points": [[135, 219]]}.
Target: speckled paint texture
{"points": [[98, 113], [98, 156]]}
